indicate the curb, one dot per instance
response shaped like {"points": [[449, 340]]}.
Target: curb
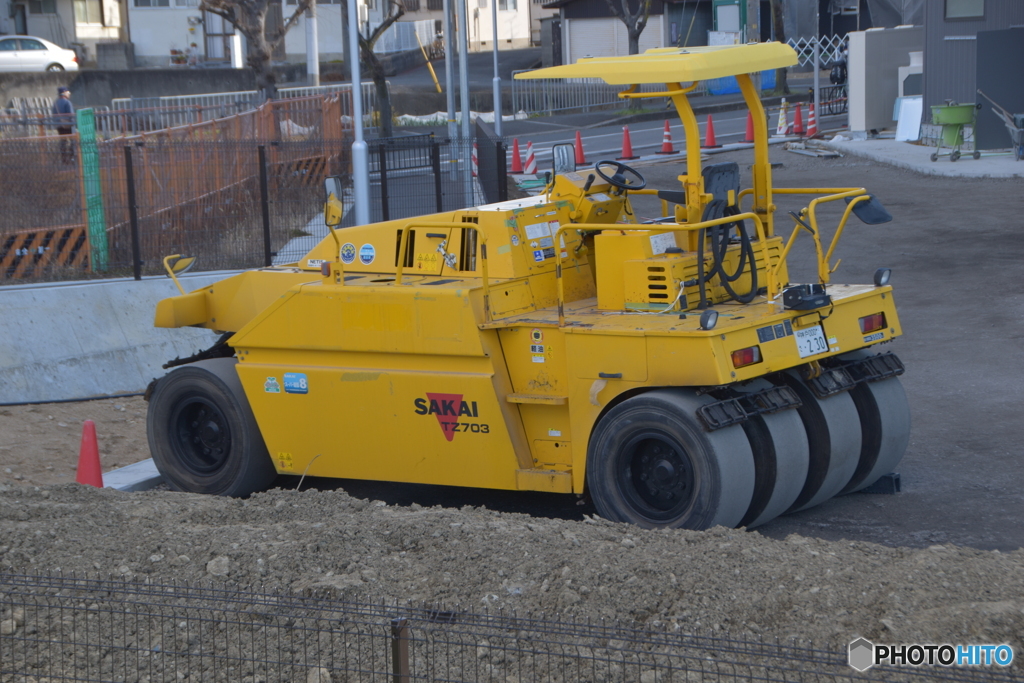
{"points": [[923, 169]]}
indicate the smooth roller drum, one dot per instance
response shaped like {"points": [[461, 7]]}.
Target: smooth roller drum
{"points": [[778, 482], [833, 437], [651, 462], [885, 427]]}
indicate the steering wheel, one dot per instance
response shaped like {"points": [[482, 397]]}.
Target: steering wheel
{"points": [[622, 176]]}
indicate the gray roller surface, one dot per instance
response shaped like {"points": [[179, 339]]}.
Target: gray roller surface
{"points": [[731, 451], [791, 457], [843, 423], [894, 421]]}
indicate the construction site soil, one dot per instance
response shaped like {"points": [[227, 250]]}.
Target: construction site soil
{"points": [[939, 562]]}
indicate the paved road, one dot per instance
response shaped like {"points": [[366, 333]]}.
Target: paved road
{"points": [[605, 141]]}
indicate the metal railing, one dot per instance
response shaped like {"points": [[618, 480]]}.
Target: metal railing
{"points": [[79, 629], [831, 49], [549, 95], [243, 99]]}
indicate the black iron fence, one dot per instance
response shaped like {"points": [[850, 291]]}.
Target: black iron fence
{"points": [[234, 204], [58, 628]]}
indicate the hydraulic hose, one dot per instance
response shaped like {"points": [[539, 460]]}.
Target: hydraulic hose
{"points": [[720, 239]]}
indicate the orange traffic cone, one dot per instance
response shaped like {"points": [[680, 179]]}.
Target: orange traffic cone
{"points": [[798, 122], [627, 146], [666, 141], [812, 121], [749, 137], [531, 160], [581, 159], [89, 472], [709, 135], [517, 161]]}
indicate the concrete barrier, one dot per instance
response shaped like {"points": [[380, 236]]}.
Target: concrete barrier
{"points": [[84, 339]]}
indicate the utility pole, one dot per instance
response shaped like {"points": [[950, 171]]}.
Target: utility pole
{"points": [[753, 14]]}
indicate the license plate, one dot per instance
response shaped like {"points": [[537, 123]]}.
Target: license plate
{"points": [[810, 341]]}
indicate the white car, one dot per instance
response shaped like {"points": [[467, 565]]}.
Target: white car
{"points": [[28, 53]]}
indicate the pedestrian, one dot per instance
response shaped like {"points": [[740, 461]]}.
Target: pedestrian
{"points": [[64, 113]]}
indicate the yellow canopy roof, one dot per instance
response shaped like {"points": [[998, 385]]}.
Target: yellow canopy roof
{"points": [[675, 65]]}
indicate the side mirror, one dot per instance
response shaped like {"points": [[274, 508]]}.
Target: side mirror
{"points": [[870, 211], [564, 158], [176, 264], [334, 209]]}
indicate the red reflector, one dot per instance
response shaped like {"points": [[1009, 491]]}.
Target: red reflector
{"points": [[873, 322], [747, 356]]}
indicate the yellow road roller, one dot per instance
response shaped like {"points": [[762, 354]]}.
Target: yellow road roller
{"points": [[669, 370]]}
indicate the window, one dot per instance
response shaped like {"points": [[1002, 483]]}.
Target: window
{"points": [[412, 5], [507, 5], [9, 45], [965, 9], [152, 3], [42, 7], [88, 12], [31, 45], [435, 4], [186, 3]]}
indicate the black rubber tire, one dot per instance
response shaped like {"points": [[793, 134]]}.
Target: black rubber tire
{"points": [[885, 427], [781, 460], [55, 68], [704, 479], [833, 437], [934, 157], [976, 155], [202, 433], [953, 156]]}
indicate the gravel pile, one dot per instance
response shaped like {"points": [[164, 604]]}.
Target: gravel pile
{"points": [[722, 580]]}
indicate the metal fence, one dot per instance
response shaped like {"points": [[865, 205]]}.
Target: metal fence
{"points": [[831, 49], [149, 114], [58, 628], [402, 37], [248, 99], [233, 203], [549, 95]]}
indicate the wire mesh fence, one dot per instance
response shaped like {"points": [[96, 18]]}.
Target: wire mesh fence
{"points": [[58, 628], [234, 203]]}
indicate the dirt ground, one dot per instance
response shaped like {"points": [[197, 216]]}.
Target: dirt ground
{"points": [[939, 562], [39, 444]]}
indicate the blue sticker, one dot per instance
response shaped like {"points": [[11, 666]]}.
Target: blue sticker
{"points": [[538, 255], [348, 253], [367, 254], [296, 383]]}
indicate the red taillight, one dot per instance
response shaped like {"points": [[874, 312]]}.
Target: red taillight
{"points": [[873, 322], [747, 356]]}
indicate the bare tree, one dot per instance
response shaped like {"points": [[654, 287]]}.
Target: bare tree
{"points": [[781, 80], [396, 8], [249, 17], [634, 19]]}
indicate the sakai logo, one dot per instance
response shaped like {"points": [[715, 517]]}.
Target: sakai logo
{"points": [[449, 409]]}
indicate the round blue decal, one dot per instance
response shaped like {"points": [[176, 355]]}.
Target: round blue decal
{"points": [[348, 253], [366, 254]]}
